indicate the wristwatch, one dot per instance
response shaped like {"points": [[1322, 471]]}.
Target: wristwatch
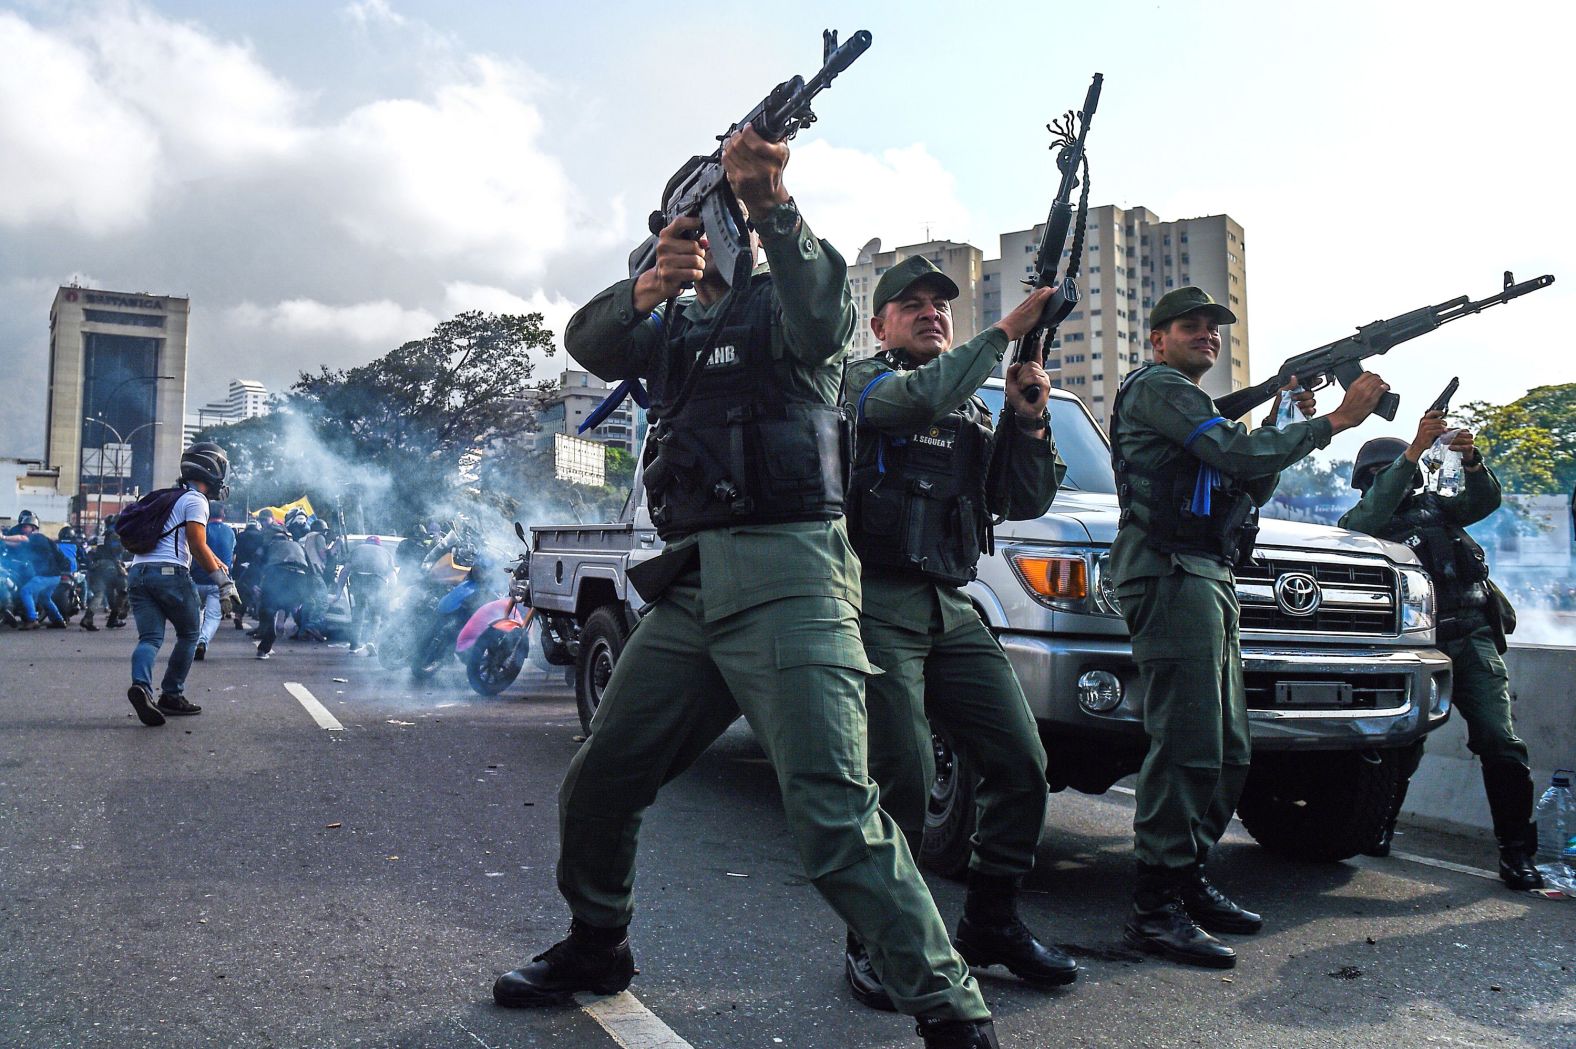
{"points": [[1035, 424], [780, 221]]}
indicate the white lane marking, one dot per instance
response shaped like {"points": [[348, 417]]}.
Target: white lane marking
{"points": [[1410, 857], [318, 711], [630, 1023], [1444, 865]]}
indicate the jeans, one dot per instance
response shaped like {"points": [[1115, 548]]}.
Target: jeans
{"points": [[161, 592], [41, 586], [208, 595]]}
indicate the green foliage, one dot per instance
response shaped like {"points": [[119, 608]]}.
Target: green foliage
{"points": [[1531, 442], [1318, 479]]}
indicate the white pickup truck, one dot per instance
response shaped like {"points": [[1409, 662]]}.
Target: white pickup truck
{"points": [[1337, 643]]}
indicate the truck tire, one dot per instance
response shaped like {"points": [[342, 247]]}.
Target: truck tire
{"points": [[950, 814], [601, 641], [1319, 806]]}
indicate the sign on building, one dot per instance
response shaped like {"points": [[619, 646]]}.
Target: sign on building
{"points": [[112, 460], [579, 461]]}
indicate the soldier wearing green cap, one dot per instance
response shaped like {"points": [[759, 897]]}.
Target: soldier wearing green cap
{"points": [[1189, 483], [754, 606], [919, 516]]}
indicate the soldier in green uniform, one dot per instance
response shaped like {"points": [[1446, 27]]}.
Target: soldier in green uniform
{"points": [[919, 516], [1189, 483], [1471, 620], [755, 606]]}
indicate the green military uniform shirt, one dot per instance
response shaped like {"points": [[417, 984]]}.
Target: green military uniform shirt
{"points": [[1479, 497], [1159, 413], [745, 566], [917, 397]]}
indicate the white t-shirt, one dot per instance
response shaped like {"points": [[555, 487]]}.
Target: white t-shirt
{"points": [[173, 548]]}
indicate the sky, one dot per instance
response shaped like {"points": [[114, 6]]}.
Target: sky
{"points": [[328, 180]]}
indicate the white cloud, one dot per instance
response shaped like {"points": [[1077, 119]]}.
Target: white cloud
{"points": [[849, 196], [57, 123], [555, 309], [369, 323], [374, 12]]}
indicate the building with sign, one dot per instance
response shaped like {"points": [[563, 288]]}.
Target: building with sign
{"points": [[577, 396], [117, 392]]}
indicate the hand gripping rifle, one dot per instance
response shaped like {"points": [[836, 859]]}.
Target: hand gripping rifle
{"points": [[1341, 361], [701, 188], [1070, 132]]}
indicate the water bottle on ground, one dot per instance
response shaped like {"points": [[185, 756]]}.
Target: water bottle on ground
{"points": [[1288, 412], [1447, 466], [1555, 816]]}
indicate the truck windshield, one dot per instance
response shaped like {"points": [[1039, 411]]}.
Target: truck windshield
{"points": [[1079, 442]]}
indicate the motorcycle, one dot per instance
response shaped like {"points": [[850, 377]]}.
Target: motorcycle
{"points": [[497, 640], [436, 638], [70, 595], [446, 564]]}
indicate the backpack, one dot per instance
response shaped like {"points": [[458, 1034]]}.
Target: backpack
{"points": [[141, 525]]}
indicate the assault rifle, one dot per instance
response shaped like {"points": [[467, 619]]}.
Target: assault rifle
{"points": [[1341, 360], [701, 188], [1442, 402], [1070, 132]]}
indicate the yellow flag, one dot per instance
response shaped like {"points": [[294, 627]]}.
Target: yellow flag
{"points": [[303, 504]]}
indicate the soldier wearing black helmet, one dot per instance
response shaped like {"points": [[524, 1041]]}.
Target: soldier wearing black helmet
{"points": [[161, 585], [1471, 615]]}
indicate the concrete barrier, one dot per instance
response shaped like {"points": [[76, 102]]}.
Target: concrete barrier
{"points": [[1448, 787]]}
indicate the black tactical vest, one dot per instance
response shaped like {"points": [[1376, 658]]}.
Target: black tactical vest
{"points": [[738, 449], [1226, 534], [918, 502], [1451, 556]]}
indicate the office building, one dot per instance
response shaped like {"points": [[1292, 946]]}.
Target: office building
{"points": [[247, 399], [577, 396], [117, 389], [964, 263]]}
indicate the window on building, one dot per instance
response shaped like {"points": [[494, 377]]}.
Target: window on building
{"points": [[1184, 238], [1094, 269], [1092, 313]]}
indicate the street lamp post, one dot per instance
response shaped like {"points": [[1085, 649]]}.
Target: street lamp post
{"points": [[82, 446], [120, 442]]}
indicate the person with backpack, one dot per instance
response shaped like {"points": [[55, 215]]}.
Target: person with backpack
{"points": [[166, 531]]}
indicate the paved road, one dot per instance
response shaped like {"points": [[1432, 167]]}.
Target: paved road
{"points": [[249, 878]]}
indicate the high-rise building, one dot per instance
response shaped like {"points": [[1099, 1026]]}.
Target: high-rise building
{"points": [[117, 389], [247, 399], [577, 396], [1131, 258]]}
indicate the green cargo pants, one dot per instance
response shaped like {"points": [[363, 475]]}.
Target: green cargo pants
{"points": [[1481, 695], [796, 669], [1185, 641], [963, 683]]}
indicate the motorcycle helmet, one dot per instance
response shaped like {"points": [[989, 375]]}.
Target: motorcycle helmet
{"points": [[67, 534], [319, 525], [27, 519], [295, 523], [206, 462]]}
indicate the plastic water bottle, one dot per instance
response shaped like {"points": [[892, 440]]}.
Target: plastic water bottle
{"points": [[1555, 816], [1288, 412], [1447, 465]]}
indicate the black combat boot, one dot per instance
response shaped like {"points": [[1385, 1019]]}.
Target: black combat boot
{"points": [[990, 933], [88, 624], [958, 1034], [1509, 790], [1159, 922], [1213, 909], [863, 982], [595, 960]]}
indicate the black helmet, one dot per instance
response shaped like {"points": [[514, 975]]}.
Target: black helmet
{"points": [[67, 534], [27, 517], [206, 462], [295, 523], [1373, 457], [319, 525]]}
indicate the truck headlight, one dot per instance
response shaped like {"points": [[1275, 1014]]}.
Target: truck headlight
{"points": [[1067, 578], [1417, 600]]}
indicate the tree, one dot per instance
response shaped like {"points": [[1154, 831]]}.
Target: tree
{"points": [[1531, 442], [395, 436]]}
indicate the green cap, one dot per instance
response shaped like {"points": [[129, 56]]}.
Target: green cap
{"points": [[896, 281], [1174, 304]]}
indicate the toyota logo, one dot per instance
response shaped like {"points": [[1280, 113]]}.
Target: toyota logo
{"points": [[1297, 594]]}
